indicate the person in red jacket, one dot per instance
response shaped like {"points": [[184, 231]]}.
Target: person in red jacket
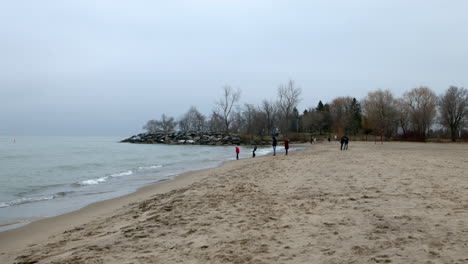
{"points": [[286, 145], [237, 152]]}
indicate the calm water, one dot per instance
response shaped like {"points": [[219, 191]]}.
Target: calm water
{"points": [[47, 176]]}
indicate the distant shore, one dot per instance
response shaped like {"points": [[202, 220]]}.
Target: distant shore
{"points": [[375, 203]]}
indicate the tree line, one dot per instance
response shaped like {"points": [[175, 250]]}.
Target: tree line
{"points": [[414, 116]]}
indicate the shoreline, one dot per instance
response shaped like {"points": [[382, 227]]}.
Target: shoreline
{"points": [[396, 202], [13, 223], [32, 232]]}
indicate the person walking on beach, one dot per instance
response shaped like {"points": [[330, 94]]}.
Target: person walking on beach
{"points": [[237, 152], [274, 146], [344, 142], [329, 140], [286, 145], [253, 151]]}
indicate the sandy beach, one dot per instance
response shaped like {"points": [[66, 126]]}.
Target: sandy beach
{"points": [[375, 203]]}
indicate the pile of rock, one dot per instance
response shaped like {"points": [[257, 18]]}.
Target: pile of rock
{"points": [[192, 137]]}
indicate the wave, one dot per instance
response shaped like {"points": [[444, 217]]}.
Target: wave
{"points": [[263, 151], [123, 173], [36, 189], [150, 167], [92, 181], [102, 179], [26, 200]]}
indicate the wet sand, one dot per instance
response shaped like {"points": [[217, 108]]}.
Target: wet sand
{"points": [[390, 203]]}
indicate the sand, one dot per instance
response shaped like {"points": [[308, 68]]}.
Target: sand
{"points": [[390, 203]]}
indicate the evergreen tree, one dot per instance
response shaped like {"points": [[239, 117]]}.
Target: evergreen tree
{"points": [[320, 106], [295, 124], [356, 122], [327, 118]]}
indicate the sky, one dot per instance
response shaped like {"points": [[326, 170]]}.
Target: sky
{"points": [[105, 67]]}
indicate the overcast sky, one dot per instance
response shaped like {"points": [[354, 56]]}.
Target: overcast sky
{"points": [[95, 67]]}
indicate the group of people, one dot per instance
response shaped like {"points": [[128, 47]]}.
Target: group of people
{"points": [[286, 145], [274, 144], [343, 141]]}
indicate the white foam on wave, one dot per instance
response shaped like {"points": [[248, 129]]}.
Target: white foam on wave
{"points": [[150, 167], [26, 200], [123, 173], [93, 181], [263, 151]]}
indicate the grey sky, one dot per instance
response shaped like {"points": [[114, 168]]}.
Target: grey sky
{"points": [[92, 67]]}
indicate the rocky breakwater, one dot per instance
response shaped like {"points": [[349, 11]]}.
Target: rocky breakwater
{"points": [[195, 138]]}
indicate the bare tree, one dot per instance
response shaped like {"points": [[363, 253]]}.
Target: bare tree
{"points": [[289, 97], [216, 122], [453, 107], [226, 103], [260, 122], [270, 111], [421, 103], [152, 125], [248, 115], [184, 124], [380, 108], [237, 121], [165, 124], [341, 114], [193, 120], [403, 116]]}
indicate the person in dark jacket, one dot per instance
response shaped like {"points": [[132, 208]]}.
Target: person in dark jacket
{"points": [[286, 145], [344, 142], [274, 143], [253, 151]]}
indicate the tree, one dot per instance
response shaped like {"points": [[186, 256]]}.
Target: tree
{"points": [[270, 111], [320, 107], [216, 122], [237, 122], [289, 97], [403, 116], [327, 120], [296, 121], [226, 103], [152, 125], [165, 124], [248, 116], [421, 103], [193, 120], [380, 108], [341, 115], [313, 120], [356, 118], [366, 126], [260, 122], [453, 108]]}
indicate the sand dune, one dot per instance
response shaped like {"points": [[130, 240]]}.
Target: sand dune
{"points": [[390, 203]]}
